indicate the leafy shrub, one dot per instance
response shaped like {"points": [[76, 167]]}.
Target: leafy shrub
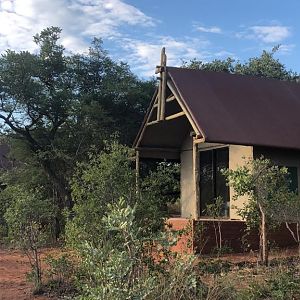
{"points": [[283, 284], [122, 267], [60, 274], [116, 231], [216, 267], [30, 218], [221, 289], [105, 179]]}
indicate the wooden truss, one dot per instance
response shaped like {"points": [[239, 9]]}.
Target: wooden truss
{"points": [[165, 106]]}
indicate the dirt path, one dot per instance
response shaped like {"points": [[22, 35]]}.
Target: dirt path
{"points": [[13, 285]]}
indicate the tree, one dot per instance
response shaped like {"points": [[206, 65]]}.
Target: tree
{"points": [[264, 184], [56, 106], [287, 210], [265, 65]]}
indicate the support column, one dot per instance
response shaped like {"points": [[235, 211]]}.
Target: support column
{"points": [[137, 170], [196, 179]]}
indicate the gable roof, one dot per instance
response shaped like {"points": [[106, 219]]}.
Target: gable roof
{"points": [[239, 109]]}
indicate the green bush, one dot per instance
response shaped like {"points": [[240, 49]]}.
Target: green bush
{"points": [[282, 284], [116, 231], [105, 179], [60, 274], [30, 218], [122, 267]]}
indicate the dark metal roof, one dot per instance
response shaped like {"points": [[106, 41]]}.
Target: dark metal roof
{"points": [[238, 109]]}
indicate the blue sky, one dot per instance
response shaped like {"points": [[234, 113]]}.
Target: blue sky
{"points": [[135, 30]]}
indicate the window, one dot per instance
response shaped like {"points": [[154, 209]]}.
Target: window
{"points": [[212, 182], [292, 178]]}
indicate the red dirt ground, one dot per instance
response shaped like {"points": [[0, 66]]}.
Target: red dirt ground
{"points": [[14, 266], [13, 285]]}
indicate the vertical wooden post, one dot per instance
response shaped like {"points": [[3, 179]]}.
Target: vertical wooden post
{"points": [[196, 175], [162, 86], [137, 170], [163, 83]]}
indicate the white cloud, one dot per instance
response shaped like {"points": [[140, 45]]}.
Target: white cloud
{"points": [[271, 34], [80, 20], [213, 29], [144, 56], [266, 34], [224, 54]]}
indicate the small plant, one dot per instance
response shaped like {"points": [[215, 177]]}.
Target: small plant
{"points": [[60, 275], [61, 269], [282, 284], [200, 237], [221, 289], [215, 267], [30, 219], [215, 211]]}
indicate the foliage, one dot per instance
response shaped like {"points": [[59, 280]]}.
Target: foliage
{"points": [[29, 218], [5, 201], [265, 65], [265, 185], [263, 182], [116, 231], [287, 210], [216, 211], [122, 266], [103, 180], [27, 176], [108, 177], [55, 105], [221, 289], [282, 284], [60, 274], [216, 65], [215, 267], [157, 190]]}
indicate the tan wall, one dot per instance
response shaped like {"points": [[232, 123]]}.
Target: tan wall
{"points": [[238, 155], [187, 190]]}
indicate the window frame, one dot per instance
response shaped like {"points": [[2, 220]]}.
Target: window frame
{"points": [[213, 150]]}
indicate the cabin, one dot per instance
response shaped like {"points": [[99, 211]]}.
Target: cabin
{"points": [[213, 120]]}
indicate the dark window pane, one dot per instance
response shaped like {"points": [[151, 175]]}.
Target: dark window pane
{"points": [[222, 190], [293, 179], [212, 182], [206, 179]]}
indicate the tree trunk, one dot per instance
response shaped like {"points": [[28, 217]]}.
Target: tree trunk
{"points": [[263, 237], [62, 193], [220, 235]]}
